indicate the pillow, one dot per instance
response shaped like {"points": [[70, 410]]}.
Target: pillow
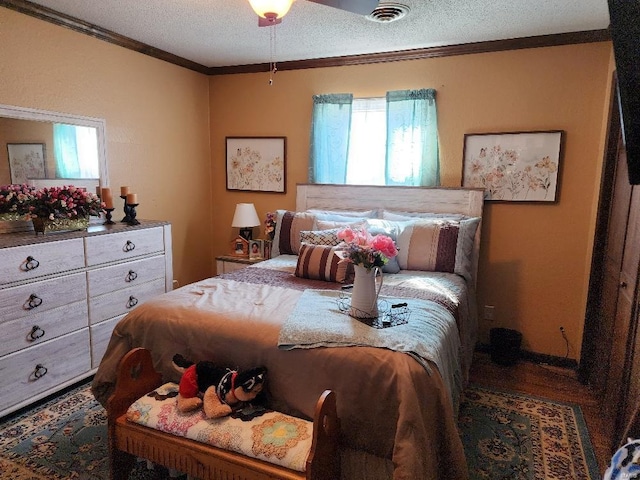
{"points": [[393, 215], [288, 227], [354, 223], [391, 229], [438, 245], [320, 237], [320, 262], [341, 214]]}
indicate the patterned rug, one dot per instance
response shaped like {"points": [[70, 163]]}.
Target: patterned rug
{"points": [[505, 435], [519, 437]]}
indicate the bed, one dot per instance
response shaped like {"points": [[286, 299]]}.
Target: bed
{"points": [[397, 400]]}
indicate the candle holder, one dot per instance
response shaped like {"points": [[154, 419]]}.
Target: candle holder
{"points": [[127, 211], [108, 215], [132, 214]]}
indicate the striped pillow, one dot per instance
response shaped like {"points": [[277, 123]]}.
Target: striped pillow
{"points": [[288, 227], [439, 245], [320, 262]]}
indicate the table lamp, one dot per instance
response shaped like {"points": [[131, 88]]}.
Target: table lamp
{"points": [[245, 218]]}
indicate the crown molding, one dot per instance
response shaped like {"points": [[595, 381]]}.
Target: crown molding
{"points": [[57, 18]]}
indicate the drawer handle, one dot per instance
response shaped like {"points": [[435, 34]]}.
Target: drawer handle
{"points": [[129, 246], [40, 371], [33, 302], [36, 333], [133, 301], [31, 264], [131, 276]]}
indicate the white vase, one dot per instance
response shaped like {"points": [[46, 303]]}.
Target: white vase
{"points": [[364, 297]]}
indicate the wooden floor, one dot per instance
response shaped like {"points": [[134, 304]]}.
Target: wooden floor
{"points": [[550, 382]]}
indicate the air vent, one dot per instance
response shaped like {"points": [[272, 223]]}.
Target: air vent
{"points": [[388, 12]]}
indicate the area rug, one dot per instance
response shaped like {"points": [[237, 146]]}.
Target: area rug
{"points": [[520, 437], [505, 435]]}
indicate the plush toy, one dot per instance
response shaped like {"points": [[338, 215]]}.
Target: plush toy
{"points": [[217, 389]]}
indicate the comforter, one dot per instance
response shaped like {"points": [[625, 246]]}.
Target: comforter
{"points": [[398, 418]]}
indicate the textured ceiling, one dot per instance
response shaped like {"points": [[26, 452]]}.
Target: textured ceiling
{"points": [[217, 33]]}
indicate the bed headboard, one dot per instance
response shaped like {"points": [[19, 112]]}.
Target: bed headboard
{"points": [[466, 201]]}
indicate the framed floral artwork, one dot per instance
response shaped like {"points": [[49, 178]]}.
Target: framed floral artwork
{"points": [[514, 166], [26, 161], [256, 164]]}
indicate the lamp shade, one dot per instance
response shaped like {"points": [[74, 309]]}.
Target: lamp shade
{"points": [[271, 8], [245, 216]]}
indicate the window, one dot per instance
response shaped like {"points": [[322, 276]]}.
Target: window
{"points": [[375, 141], [75, 151]]}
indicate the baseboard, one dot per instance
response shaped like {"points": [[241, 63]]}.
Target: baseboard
{"points": [[533, 357]]}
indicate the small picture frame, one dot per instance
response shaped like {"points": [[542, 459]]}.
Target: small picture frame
{"points": [[256, 249], [240, 247], [26, 161]]}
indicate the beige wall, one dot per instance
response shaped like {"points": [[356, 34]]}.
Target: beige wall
{"points": [[156, 116], [535, 257]]}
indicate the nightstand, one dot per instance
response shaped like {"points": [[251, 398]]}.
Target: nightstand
{"points": [[229, 263]]}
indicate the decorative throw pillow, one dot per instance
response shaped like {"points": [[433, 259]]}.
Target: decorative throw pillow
{"points": [[391, 229], [320, 237], [289, 224], [320, 262], [439, 245]]}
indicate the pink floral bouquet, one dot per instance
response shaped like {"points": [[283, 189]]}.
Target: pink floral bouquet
{"points": [[365, 249], [270, 225], [15, 199], [65, 202]]}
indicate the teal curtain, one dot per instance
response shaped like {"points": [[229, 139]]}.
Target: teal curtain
{"points": [[65, 148], [329, 143], [412, 138]]}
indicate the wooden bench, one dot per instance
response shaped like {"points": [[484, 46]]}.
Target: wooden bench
{"points": [[128, 440]]}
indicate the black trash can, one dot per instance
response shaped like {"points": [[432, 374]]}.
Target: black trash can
{"points": [[505, 345]]}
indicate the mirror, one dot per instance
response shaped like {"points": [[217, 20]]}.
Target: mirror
{"points": [[47, 149]]}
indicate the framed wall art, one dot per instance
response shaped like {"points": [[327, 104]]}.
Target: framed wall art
{"points": [[256, 164], [26, 161], [514, 166]]}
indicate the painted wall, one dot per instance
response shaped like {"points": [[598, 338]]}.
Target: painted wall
{"points": [[156, 116], [535, 258]]}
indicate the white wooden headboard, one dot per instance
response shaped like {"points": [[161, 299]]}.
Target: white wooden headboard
{"points": [[466, 201]]}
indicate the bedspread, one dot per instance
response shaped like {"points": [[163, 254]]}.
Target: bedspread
{"points": [[390, 407]]}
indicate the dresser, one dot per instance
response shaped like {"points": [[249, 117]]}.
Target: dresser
{"points": [[61, 295], [229, 263]]}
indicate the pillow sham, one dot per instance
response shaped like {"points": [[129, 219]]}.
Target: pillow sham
{"points": [[395, 216], [340, 214], [289, 224], [354, 223], [439, 245], [320, 262]]}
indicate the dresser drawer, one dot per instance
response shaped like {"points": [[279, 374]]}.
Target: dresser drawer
{"points": [[33, 298], [123, 275], [32, 261], [123, 246], [122, 301], [100, 336], [41, 327], [64, 358]]}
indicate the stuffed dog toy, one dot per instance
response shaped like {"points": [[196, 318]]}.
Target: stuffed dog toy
{"points": [[218, 390]]}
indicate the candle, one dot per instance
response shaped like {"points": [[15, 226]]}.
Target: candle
{"points": [[105, 192], [108, 201], [132, 198], [98, 190], [124, 191]]}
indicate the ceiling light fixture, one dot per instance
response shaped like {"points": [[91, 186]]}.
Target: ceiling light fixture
{"points": [[271, 10]]}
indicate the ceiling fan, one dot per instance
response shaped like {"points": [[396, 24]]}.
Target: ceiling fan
{"points": [[270, 12]]}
